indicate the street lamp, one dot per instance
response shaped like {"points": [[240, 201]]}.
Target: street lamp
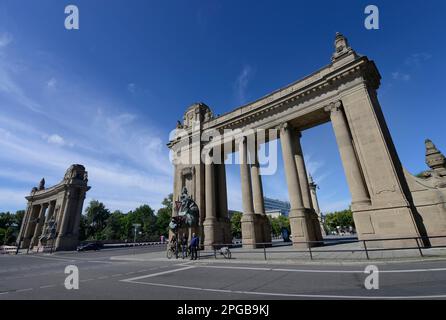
{"points": [[135, 226]]}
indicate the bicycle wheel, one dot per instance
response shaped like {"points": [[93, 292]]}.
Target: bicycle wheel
{"points": [[169, 254], [227, 254]]}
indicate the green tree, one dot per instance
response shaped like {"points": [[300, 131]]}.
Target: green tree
{"points": [[342, 219], [164, 215], [10, 224], [96, 218], [236, 224], [278, 223], [145, 216], [115, 226]]}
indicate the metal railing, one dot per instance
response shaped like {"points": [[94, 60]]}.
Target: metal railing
{"points": [[419, 244]]}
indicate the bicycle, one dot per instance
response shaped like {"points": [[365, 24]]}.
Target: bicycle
{"points": [[226, 252], [171, 251]]}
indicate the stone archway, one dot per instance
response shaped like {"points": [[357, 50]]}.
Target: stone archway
{"points": [[387, 201], [53, 214]]}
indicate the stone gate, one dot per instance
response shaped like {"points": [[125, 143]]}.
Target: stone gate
{"points": [[387, 201], [53, 214]]}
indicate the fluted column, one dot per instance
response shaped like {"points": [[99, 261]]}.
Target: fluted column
{"points": [[314, 200], [30, 226], [302, 171], [257, 187], [24, 223], [313, 220], [77, 218], [39, 225], [262, 225], [50, 214], [349, 158], [222, 192], [248, 218], [297, 215], [210, 221]]}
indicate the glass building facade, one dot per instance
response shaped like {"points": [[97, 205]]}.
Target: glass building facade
{"points": [[277, 205]]}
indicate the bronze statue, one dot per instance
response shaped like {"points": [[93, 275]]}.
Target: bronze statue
{"points": [[42, 184], [187, 211]]}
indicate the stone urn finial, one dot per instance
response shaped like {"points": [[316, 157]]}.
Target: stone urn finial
{"points": [[435, 159], [342, 48]]}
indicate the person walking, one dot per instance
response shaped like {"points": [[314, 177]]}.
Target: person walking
{"points": [[184, 242], [194, 242]]}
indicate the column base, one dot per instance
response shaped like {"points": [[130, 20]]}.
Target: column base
{"points": [[66, 243], [301, 228], [253, 230], [386, 224], [217, 232]]}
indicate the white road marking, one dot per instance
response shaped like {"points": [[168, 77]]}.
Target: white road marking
{"points": [[157, 274], [52, 258], [319, 271], [23, 290], [295, 295], [48, 286]]}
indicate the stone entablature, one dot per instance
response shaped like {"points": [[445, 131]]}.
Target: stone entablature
{"points": [[53, 214]]}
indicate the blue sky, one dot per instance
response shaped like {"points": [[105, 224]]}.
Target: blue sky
{"points": [[108, 95]]}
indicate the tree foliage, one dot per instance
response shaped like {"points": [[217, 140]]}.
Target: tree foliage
{"points": [[278, 223], [10, 226], [236, 224], [342, 219]]}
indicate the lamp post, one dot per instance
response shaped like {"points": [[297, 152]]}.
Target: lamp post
{"points": [[135, 226]]}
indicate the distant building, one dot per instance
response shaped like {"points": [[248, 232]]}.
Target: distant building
{"points": [[274, 213], [274, 205]]}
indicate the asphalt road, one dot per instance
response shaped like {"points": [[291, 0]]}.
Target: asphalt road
{"points": [[42, 277]]}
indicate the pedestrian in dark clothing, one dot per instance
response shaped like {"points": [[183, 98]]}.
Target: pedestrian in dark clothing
{"points": [[184, 246], [194, 246]]}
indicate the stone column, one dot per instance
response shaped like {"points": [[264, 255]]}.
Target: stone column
{"points": [[257, 187], [39, 225], [222, 191], [50, 214], [262, 225], [248, 218], [30, 226], [297, 216], [313, 221], [77, 218], [313, 187], [24, 223], [349, 158], [302, 171], [210, 222]]}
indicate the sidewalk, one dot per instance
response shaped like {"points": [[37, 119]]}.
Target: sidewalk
{"points": [[286, 255]]}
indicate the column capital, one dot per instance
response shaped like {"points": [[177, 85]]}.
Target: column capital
{"points": [[284, 126], [334, 106]]}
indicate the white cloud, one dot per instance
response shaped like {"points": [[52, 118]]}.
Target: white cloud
{"points": [[5, 39], [241, 84], [416, 59], [131, 87], [327, 207], [125, 156], [56, 140], [51, 83], [13, 198], [401, 76]]}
